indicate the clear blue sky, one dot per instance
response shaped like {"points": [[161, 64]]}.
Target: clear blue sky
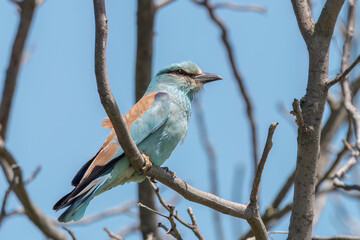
{"points": [[55, 120]]}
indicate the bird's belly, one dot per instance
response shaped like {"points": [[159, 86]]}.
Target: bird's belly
{"points": [[160, 144]]}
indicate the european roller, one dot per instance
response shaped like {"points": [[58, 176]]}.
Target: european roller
{"points": [[157, 123]]}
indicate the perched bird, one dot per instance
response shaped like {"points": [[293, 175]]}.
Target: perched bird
{"points": [[157, 123]]}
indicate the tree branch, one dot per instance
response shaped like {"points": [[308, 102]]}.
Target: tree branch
{"points": [[210, 152], [327, 19], [146, 11], [344, 74], [162, 3], [260, 168], [235, 209], [249, 106], [107, 99], [35, 215], [304, 19], [112, 235], [238, 7], [26, 13], [336, 237]]}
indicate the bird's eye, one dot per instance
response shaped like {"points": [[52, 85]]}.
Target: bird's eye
{"points": [[180, 72]]}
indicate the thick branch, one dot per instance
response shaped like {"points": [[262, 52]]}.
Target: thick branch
{"points": [[31, 210], [144, 52], [133, 154], [325, 25], [304, 19], [107, 99], [312, 109]]}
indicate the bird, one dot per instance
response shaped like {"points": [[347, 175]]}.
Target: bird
{"points": [[157, 123]]}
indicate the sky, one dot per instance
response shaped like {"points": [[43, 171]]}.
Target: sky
{"points": [[56, 115]]}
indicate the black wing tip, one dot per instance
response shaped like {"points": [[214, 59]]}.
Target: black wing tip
{"points": [[61, 203]]}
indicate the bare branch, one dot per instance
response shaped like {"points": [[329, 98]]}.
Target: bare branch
{"points": [[162, 3], [129, 229], [210, 152], [237, 75], [71, 233], [26, 13], [194, 227], [344, 74], [336, 237], [145, 18], [238, 7], [152, 210], [299, 118], [325, 25], [3, 213], [339, 155], [350, 108], [112, 235], [173, 231], [31, 210], [104, 90], [133, 154], [260, 168], [304, 19], [33, 175]]}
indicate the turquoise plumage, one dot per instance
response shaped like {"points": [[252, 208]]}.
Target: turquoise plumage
{"points": [[157, 123]]}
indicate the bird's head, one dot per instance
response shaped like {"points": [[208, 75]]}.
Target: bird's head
{"points": [[186, 77]]}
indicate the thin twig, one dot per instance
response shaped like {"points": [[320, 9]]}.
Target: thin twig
{"points": [[129, 229], [71, 233], [238, 7], [33, 175], [212, 161], [174, 230], [3, 213], [194, 227], [298, 116], [152, 210], [344, 74], [260, 168], [350, 108], [112, 235], [237, 75], [339, 156], [30, 209], [162, 3]]}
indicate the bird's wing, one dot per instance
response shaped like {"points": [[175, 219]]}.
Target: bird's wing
{"points": [[145, 117]]}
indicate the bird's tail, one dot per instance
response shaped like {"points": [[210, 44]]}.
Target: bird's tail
{"points": [[78, 204]]}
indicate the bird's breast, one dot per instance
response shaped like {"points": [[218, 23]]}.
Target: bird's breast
{"points": [[163, 141]]}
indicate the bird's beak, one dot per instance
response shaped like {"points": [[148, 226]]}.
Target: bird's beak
{"points": [[207, 77]]}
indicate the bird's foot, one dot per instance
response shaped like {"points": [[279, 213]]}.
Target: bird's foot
{"points": [[173, 174], [147, 163]]}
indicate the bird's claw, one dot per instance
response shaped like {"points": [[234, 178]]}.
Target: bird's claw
{"points": [[147, 163], [173, 174]]}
